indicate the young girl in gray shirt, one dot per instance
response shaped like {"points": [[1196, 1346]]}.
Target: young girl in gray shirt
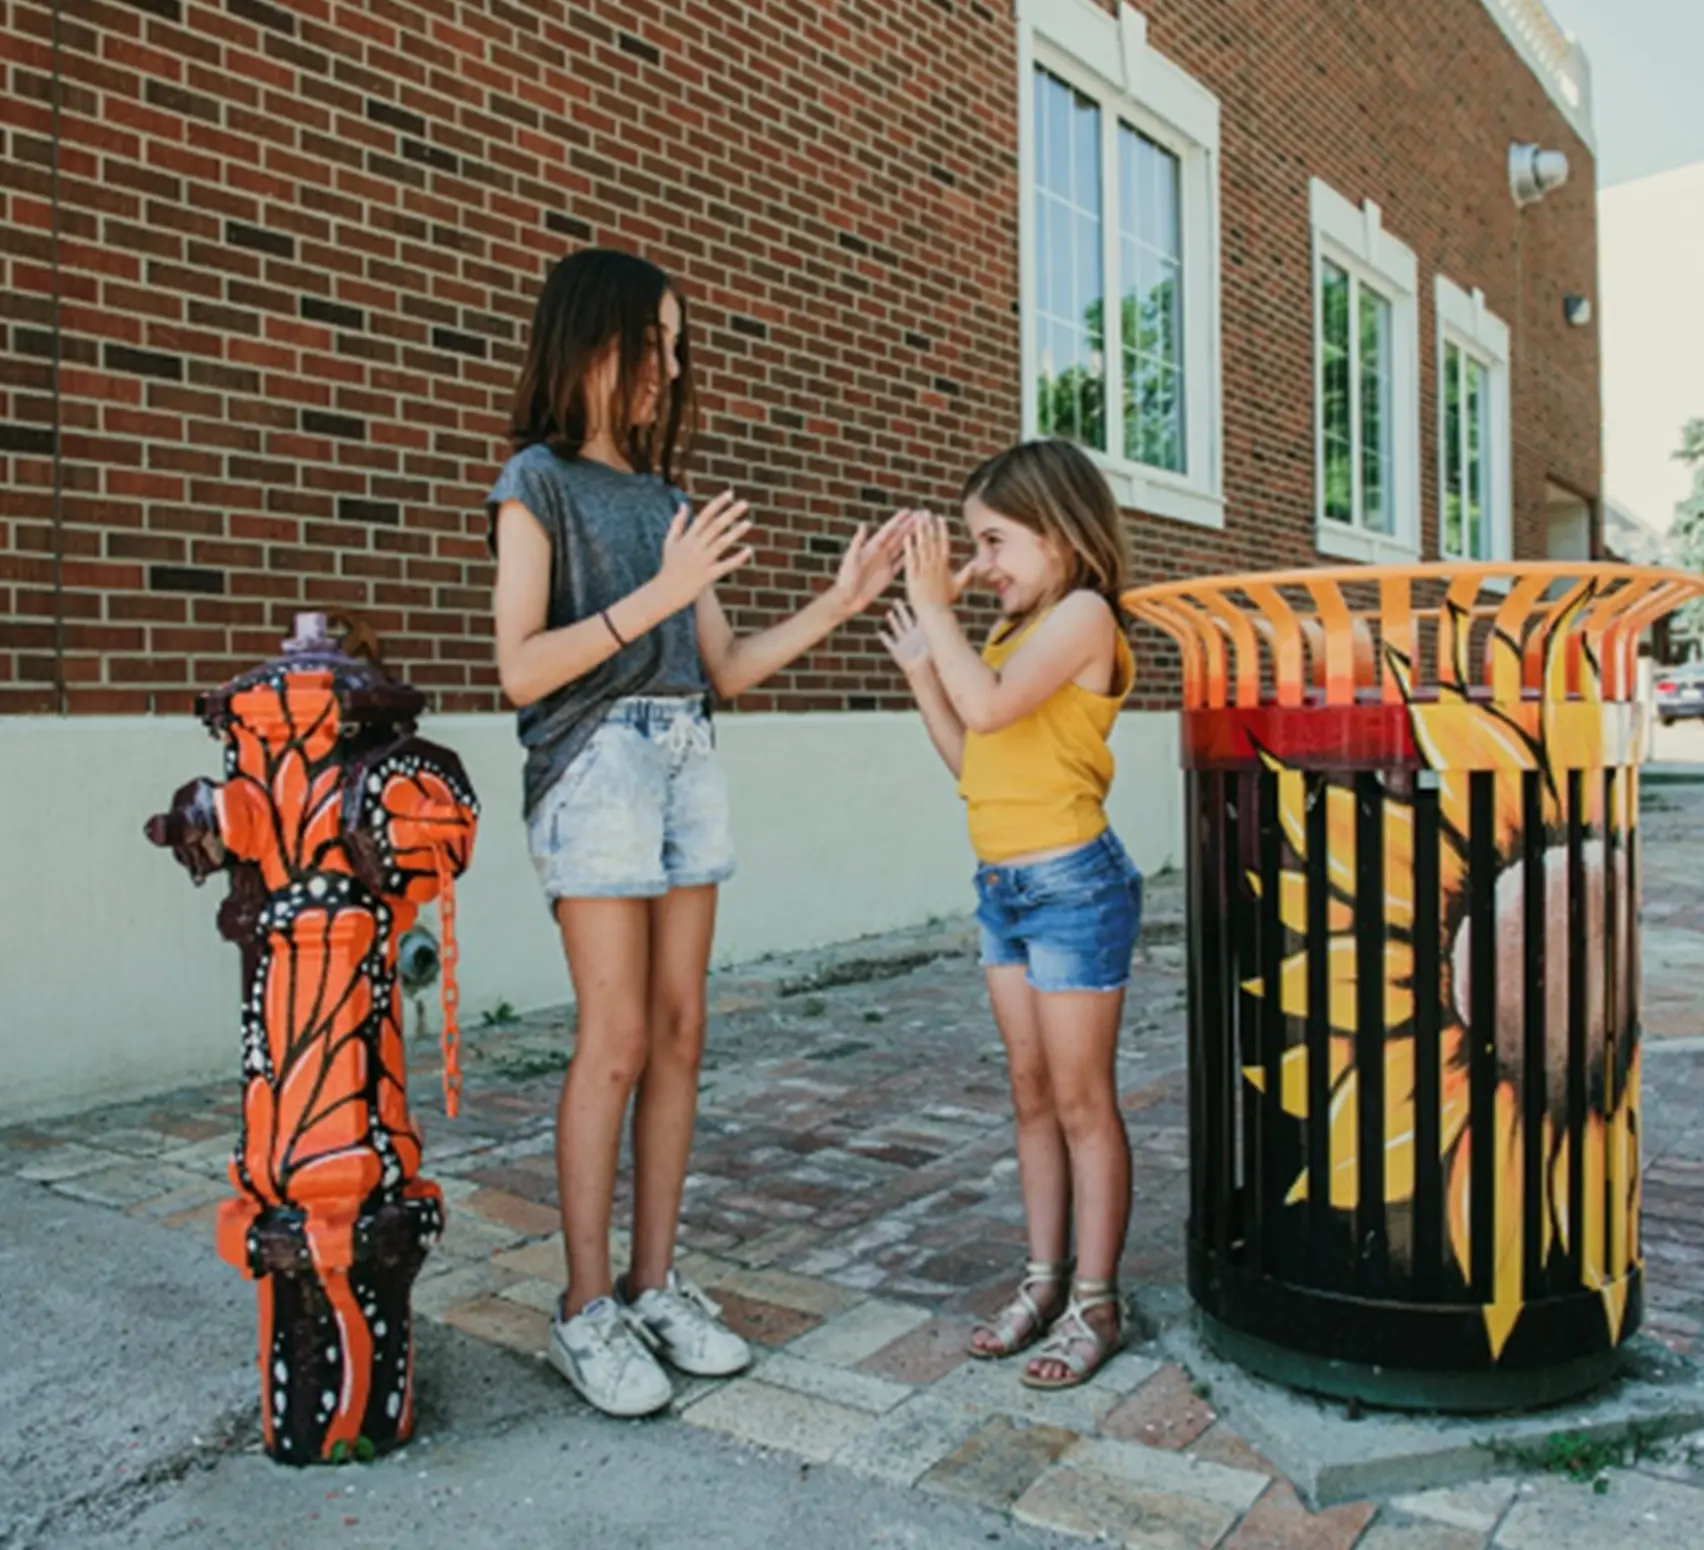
{"points": [[610, 641]]}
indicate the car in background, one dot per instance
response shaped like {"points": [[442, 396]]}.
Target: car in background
{"points": [[1680, 692]]}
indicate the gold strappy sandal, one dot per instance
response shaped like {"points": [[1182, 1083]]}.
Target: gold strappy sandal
{"points": [[1074, 1343], [1020, 1323]]}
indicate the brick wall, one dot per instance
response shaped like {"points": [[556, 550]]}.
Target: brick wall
{"points": [[299, 243]]}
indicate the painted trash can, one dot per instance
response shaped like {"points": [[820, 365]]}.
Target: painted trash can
{"points": [[1412, 801]]}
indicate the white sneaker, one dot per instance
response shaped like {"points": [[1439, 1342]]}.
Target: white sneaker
{"points": [[686, 1326], [606, 1360]]}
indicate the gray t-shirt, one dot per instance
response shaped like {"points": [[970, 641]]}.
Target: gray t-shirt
{"points": [[606, 532]]}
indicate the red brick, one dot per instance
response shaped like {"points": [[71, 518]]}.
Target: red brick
{"points": [[1163, 1413], [925, 1355], [828, 132], [511, 1211], [30, 700], [1279, 1521]]}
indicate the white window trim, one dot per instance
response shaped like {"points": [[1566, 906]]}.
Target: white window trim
{"points": [[1109, 57], [1353, 237], [1466, 322]]}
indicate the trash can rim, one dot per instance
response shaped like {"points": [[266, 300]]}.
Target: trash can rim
{"points": [[1435, 570]]}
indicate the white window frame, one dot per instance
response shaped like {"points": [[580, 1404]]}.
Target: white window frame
{"points": [[1107, 58], [1354, 239], [1467, 323]]}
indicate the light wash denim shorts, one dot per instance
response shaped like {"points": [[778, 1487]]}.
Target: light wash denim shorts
{"points": [[1072, 921], [641, 810]]}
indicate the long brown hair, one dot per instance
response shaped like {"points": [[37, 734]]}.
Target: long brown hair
{"points": [[1053, 488], [591, 299]]}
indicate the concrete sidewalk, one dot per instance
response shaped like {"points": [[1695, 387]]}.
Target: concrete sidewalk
{"points": [[854, 1207], [127, 1418]]}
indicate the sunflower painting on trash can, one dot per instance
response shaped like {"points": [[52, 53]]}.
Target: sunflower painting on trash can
{"points": [[1418, 857], [1556, 746]]}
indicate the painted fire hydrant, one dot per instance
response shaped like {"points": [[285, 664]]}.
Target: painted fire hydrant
{"points": [[335, 823]]}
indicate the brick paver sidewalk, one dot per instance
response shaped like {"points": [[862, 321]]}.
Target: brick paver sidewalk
{"points": [[853, 1206]]}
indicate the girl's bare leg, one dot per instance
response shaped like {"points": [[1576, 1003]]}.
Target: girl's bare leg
{"points": [[1044, 1170], [683, 923], [1079, 1034], [608, 946]]}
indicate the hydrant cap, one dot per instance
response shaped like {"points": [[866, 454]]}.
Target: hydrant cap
{"points": [[311, 634], [366, 697]]}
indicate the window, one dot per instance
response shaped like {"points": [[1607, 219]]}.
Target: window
{"points": [[1474, 472], [1355, 349], [1367, 388], [1467, 445], [1151, 301], [1119, 236], [1070, 287]]}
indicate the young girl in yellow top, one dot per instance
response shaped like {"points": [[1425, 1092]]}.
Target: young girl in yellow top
{"points": [[1024, 727]]}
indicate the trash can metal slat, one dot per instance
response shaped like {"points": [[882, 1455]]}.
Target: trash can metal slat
{"points": [[1413, 888]]}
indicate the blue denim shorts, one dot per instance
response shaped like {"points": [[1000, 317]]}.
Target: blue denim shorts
{"points": [[1071, 921], [641, 810]]}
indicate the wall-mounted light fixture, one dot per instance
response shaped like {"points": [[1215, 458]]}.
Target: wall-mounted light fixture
{"points": [[1534, 172], [1577, 310]]}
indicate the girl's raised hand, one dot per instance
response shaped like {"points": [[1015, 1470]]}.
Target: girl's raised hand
{"points": [[699, 551], [868, 567], [904, 638], [929, 578]]}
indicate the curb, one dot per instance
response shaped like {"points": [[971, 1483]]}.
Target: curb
{"points": [[1672, 775]]}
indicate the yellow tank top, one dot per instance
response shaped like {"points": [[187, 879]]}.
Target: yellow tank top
{"points": [[1041, 783]]}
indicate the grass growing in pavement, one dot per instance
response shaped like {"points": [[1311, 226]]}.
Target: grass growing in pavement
{"points": [[522, 1065], [856, 971], [1583, 1459]]}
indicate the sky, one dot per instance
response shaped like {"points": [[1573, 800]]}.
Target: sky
{"points": [[1646, 57]]}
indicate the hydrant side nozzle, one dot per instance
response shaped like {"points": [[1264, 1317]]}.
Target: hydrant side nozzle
{"points": [[189, 828], [418, 960]]}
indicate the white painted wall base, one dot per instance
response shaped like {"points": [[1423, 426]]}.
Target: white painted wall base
{"points": [[114, 982]]}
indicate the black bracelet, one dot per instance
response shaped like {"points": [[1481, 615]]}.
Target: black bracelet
{"points": [[603, 613]]}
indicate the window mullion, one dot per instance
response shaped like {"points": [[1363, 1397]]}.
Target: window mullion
{"points": [[1451, 378], [1488, 460], [1030, 235], [1112, 306], [1443, 446], [1460, 450], [1487, 526], [1474, 475], [1458, 385], [1464, 386], [1464, 452], [1357, 445], [1322, 496]]}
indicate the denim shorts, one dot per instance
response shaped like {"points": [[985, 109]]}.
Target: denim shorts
{"points": [[1072, 921], [641, 810]]}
